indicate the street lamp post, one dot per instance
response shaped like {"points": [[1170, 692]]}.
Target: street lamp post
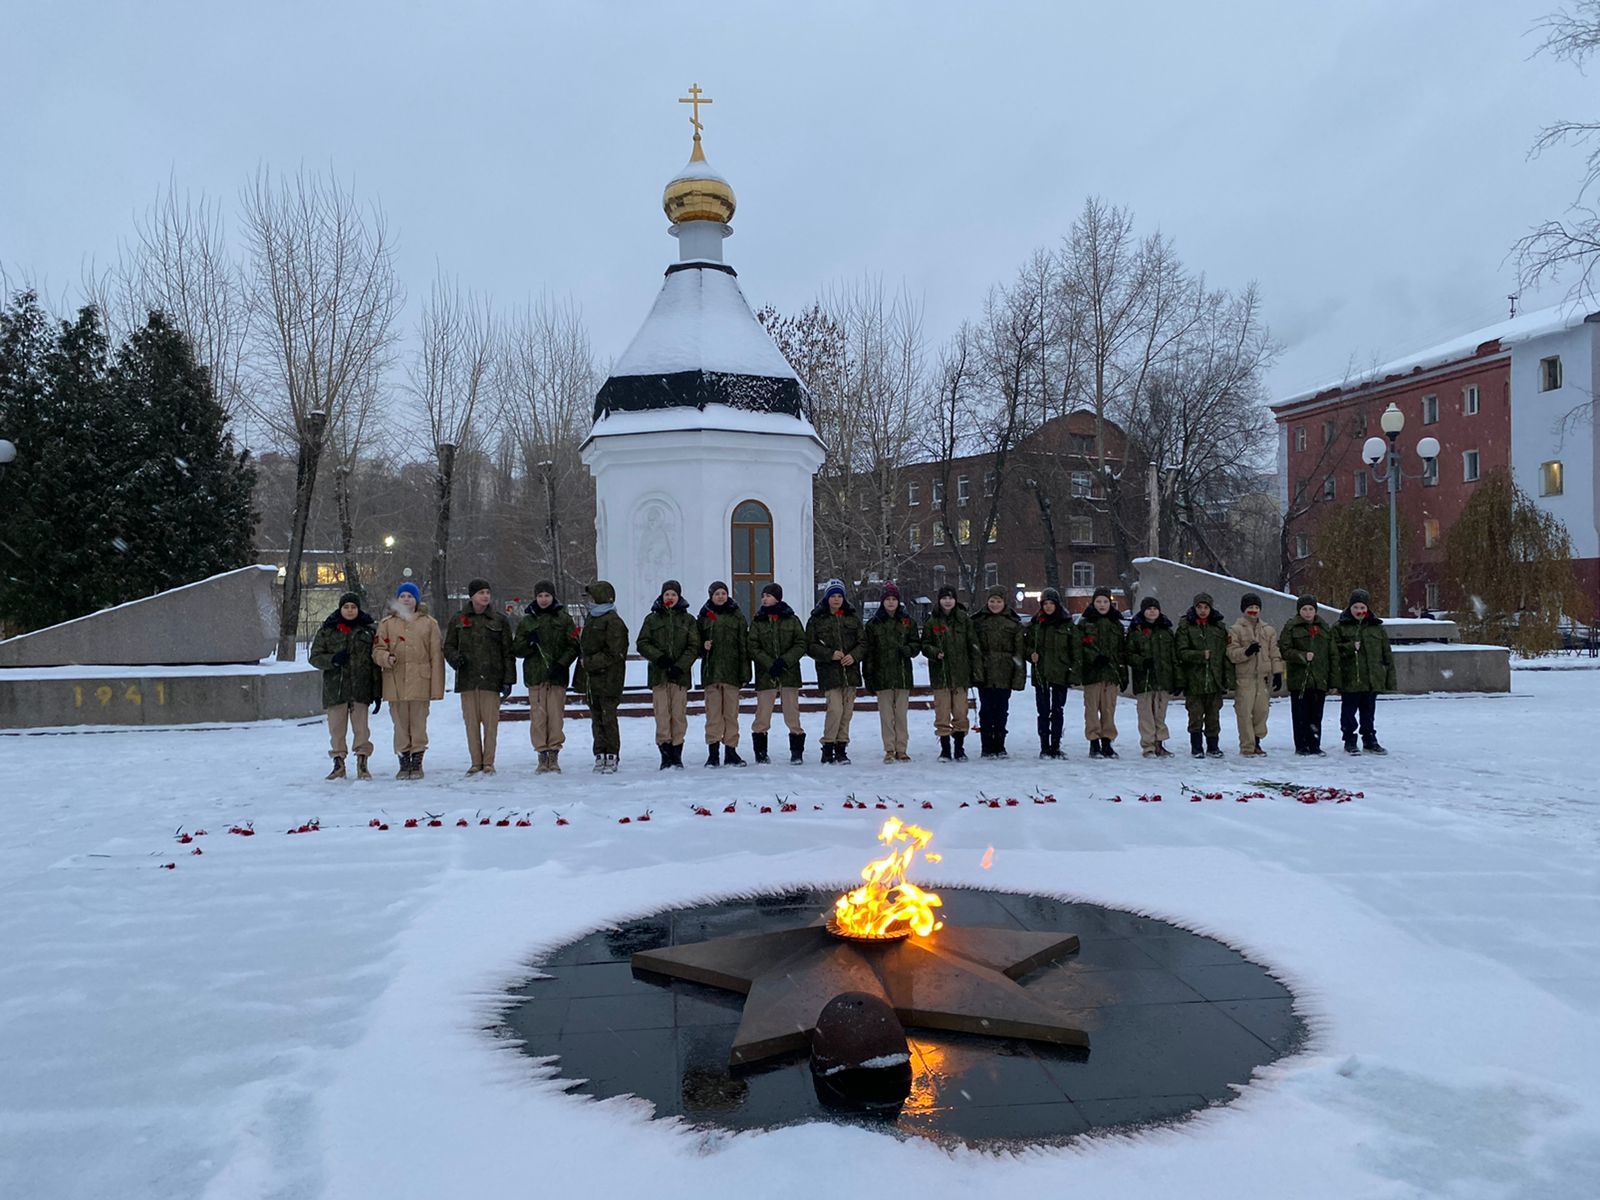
{"points": [[1374, 451]]}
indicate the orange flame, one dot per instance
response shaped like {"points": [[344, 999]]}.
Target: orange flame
{"points": [[886, 905], [988, 858]]}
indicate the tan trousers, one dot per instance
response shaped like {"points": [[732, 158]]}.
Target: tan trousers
{"points": [[1250, 697], [547, 711], [410, 719], [892, 719], [481, 712], [841, 707], [1152, 719], [1100, 711], [671, 704], [353, 717], [722, 714], [949, 711], [768, 699]]}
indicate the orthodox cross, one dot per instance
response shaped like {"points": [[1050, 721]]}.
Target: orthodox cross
{"points": [[694, 98]]}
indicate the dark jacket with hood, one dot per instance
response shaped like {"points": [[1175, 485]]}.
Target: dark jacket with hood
{"points": [[828, 631], [1055, 640], [1366, 663], [603, 646], [1300, 638], [547, 643], [478, 648], [728, 660], [892, 643], [1202, 676], [354, 679], [1100, 646], [777, 638], [1002, 643], [951, 648], [1151, 650], [669, 638]]}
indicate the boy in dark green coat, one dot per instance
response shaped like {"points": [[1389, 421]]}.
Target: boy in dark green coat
{"points": [[603, 659], [1100, 669], [1205, 672], [547, 643], [669, 640], [724, 670], [342, 651], [777, 643], [1308, 655], [1001, 644], [951, 650], [893, 643], [835, 638], [477, 645], [1152, 655], [1052, 643], [1366, 667]]}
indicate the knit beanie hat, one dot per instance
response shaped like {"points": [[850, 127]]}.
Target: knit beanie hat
{"points": [[831, 587], [474, 586], [411, 589], [775, 590], [1249, 600], [715, 584], [946, 590], [544, 586], [1204, 598], [1361, 596], [1148, 603], [996, 593], [1302, 601], [1101, 591], [889, 589], [672, 585], [350, 598], [1051, 595]]}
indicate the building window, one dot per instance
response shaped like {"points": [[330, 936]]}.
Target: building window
{"points": [[1360, 485], [994, 531], [1469, 402], [1430, 596], [1080, 485], [1361, 424], [1300, 491], [1330, 430], [938, 533], [938, 577], [1299, 437], [1082, 531], [969, 577], [1302, 546], [329, 574], [964, 529], [963, 489], [991, 575], [752, 553], [1550, 373], [988, 483], [1469, 465], [1430, 410], [1430, 533], [1430, 472], [1083, 574], [1329, 488], [914, 535], [938, 492], [1550, 481], [1081, 444], [913, 492]]}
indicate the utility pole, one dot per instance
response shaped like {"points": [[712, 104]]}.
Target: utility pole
{"points": [[1152, 487]]}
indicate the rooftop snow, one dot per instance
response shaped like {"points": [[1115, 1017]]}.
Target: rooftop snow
{"points": [[712, 416], [702, 322], [697, 169]]}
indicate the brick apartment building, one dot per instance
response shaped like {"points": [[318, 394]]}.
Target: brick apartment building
{"points": [[1057, 462], [1516, 395]]}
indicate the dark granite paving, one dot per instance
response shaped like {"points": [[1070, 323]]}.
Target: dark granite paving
{"points": [[1175, 1021]]}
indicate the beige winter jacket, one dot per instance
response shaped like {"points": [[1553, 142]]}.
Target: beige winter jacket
{"points": [[1264, 664], [411, 653]]}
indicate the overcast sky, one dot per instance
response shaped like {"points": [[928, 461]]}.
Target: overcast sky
{"points": [[1365, 161]]}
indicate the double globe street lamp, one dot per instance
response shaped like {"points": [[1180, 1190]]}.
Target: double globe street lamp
{"points": [[1374, 451]]}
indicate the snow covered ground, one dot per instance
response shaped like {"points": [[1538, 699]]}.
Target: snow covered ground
{"points": [[304, 1016]]}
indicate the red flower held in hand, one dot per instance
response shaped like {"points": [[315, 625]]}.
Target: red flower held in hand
{"points": [[466, 623]]}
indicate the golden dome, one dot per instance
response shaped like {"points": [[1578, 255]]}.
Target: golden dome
{"points": [[697, 193]]}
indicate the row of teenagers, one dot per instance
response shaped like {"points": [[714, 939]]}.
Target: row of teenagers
{"points": [[1201, 658]]}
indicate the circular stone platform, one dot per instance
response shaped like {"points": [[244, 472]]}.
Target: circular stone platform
{"points": [[1176, 1022]]}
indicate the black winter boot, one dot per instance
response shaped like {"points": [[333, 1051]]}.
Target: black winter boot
{"points": [[1350, 746], [730, 757], [1197, 747], [1055, 746], [961, 746], [713, 758], [758, 742], [1094, 748], [1212, 749], [1044, 746], [1107, 750], [797, 749], [677, 755], [944, 749], [839, 755], [827, 752], [666, 756], [997, 748], [1370, 746]]}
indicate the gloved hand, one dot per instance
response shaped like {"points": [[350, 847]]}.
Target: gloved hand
{"points": [[778, 667], [674, 673], [556, 675], [505, 691], [1099, 659], [533, 638], [908, 650], [1277, 681], [1253, 649], [376, 705], [1176, 692], [341, 658]]}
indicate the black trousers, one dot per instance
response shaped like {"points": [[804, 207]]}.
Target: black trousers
{"points": [[994, 707], [1305, 708], [603, 724], [1357, 708], [1049, 698]]}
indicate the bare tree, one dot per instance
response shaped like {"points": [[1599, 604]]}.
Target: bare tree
{"points": [[323, 297], [352, 436], [449, 373]]}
